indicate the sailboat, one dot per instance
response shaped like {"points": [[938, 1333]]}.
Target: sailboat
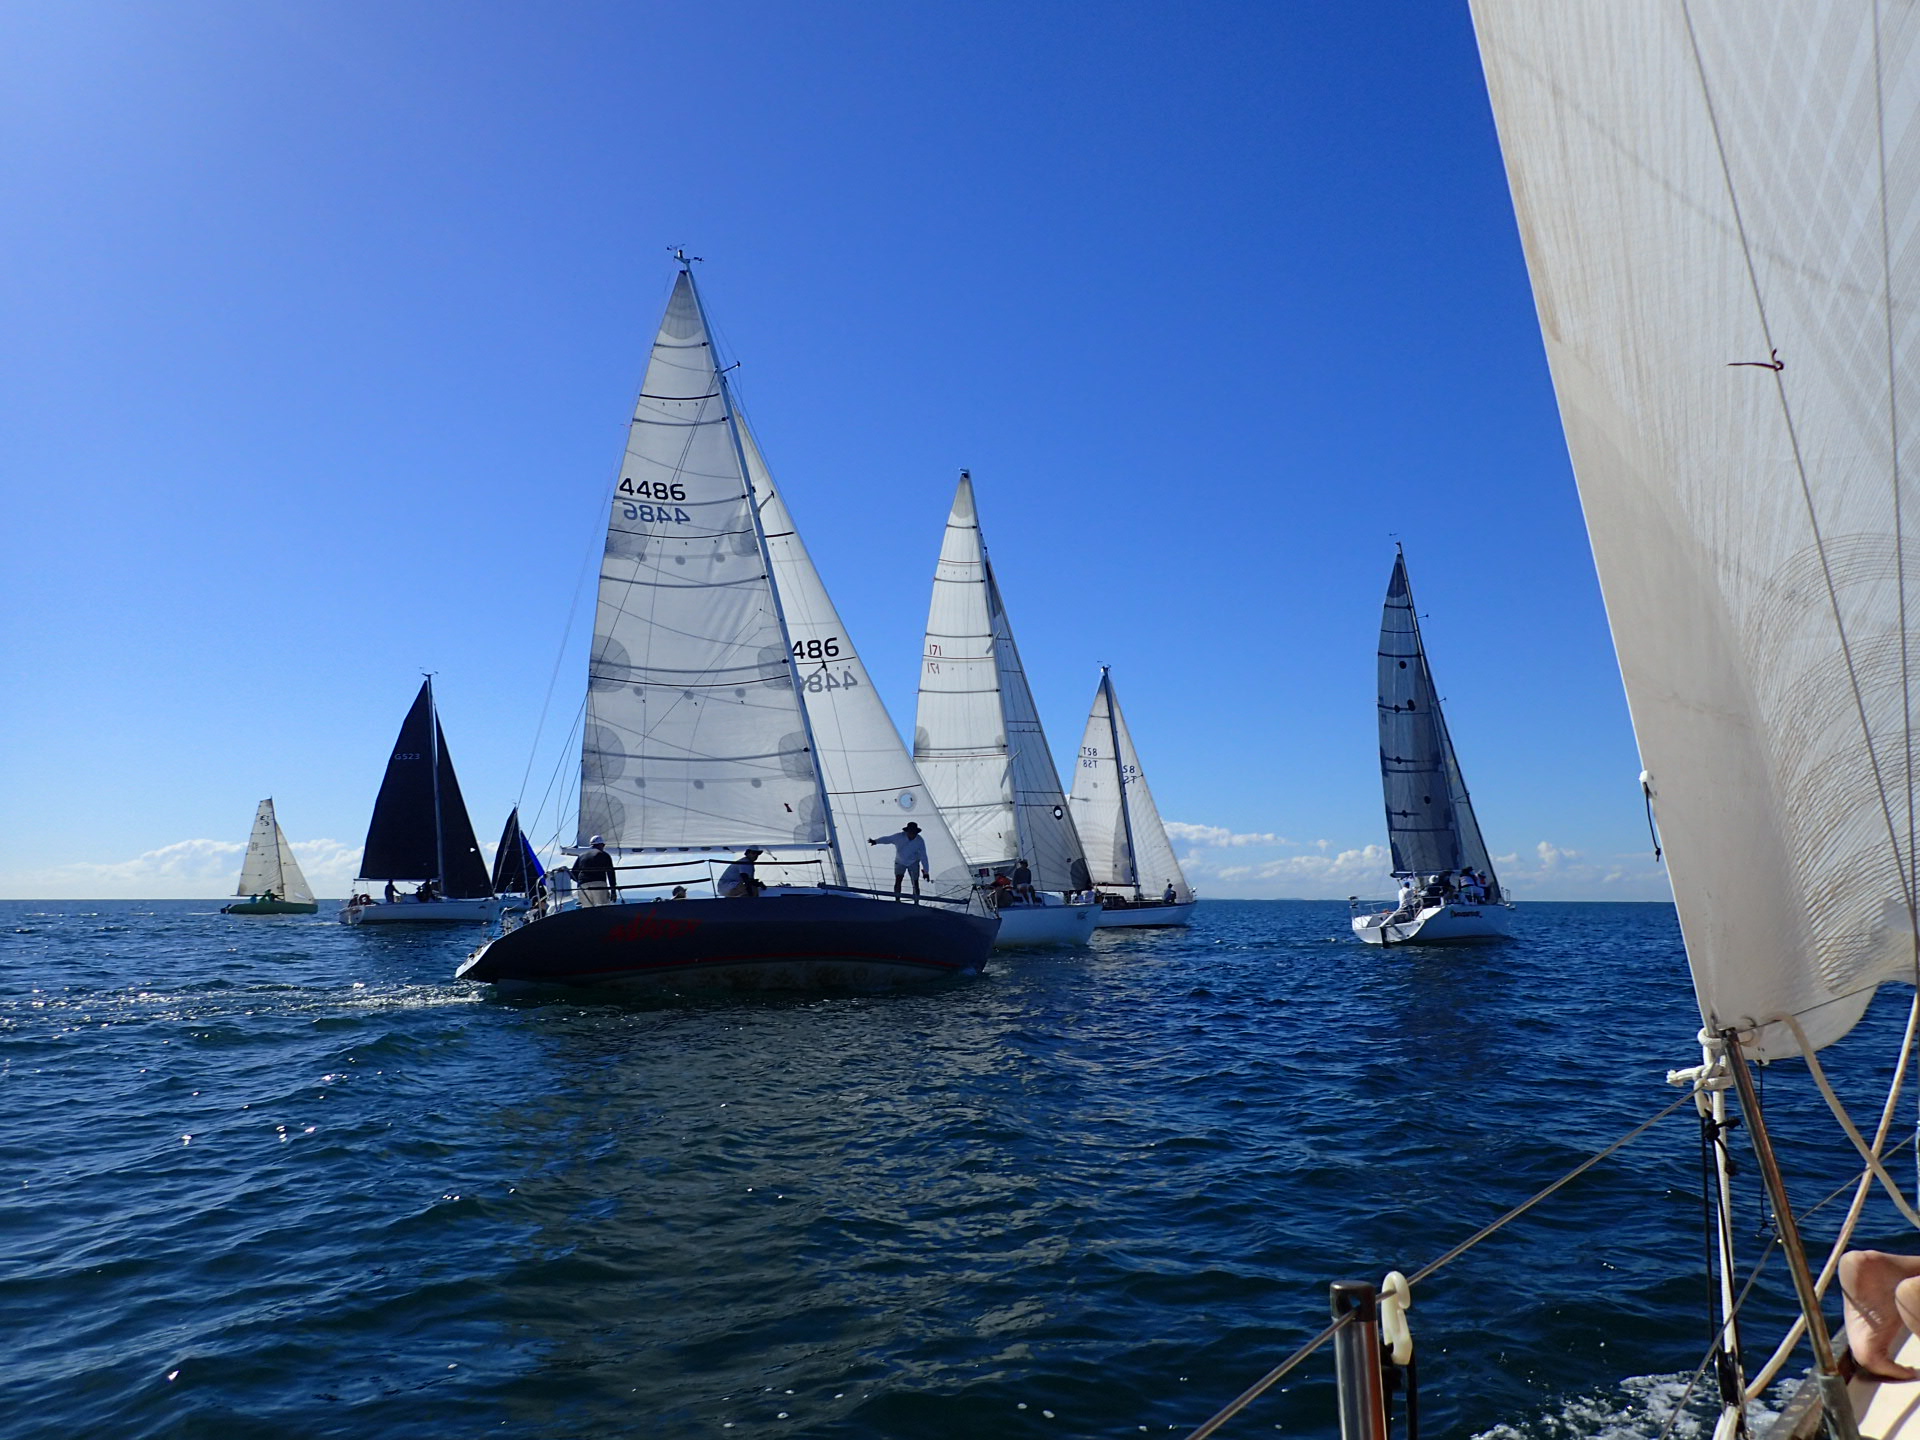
{"points": [[1717, 202], [270, 877], [729, 718], [978, 741], [1449, 894], [1134, 870], [420, 834], [516, 869]]}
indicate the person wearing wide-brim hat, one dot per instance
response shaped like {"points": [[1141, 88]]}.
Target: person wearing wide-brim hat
{"points": [[909, 857]]}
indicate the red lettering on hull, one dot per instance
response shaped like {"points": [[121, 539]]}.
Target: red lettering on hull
{"points": [[649, 924]]}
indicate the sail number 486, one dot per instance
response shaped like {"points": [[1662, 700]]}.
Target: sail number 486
{"points": [[826, 649]]}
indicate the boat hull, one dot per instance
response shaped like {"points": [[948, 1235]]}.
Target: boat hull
{"points": [[1454, 924], [1152, 914], [408, 911], [271, 907], [1033, 926], [799, 940]]}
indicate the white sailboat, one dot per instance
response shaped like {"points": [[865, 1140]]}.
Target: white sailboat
{"points": [[1717, 202], [270, 877], [1449, 894], [979, 743], [729, 714], [1134, 870]]}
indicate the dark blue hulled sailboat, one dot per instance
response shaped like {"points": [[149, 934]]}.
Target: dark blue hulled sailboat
{"points": [[420, 837]]}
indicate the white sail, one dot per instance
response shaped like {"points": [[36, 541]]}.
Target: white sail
{"points": [[872, 787], [1113, 810], [269, 864], [977, 736], [1718, 202], [694, 732]]}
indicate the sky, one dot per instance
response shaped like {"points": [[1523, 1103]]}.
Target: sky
{"points": [[324, 323]]}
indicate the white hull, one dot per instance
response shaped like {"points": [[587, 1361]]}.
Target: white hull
{"points": [[1050, 923], [408, 911], [1148, 915], [1453, 924]]}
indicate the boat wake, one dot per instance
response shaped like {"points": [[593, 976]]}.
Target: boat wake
{"points": [[1639, 1408]]}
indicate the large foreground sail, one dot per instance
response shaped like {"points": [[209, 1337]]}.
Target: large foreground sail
{"points": [[1718, 202]]}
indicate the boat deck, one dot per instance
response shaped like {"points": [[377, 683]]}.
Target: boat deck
{"points": [[1889, 1409]]}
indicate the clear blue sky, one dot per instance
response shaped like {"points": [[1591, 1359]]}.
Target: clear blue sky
{"points": [[323, 323]]}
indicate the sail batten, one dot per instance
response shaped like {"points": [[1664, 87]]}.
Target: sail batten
{"points": [[1719, 206]]}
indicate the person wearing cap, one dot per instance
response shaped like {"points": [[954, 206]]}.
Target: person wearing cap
{"points": [[593, 872], [909, 857], [736, 881]]}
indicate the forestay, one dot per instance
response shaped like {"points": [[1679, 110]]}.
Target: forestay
{"points": [[1431, 827], [978, 738], [1113, 810], [1718, 204], [270, 864], [694, 734]]}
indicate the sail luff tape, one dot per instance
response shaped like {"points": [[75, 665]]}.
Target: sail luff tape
{"points": [[1396, 1295]]}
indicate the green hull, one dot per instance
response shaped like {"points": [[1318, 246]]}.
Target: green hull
{"points": [[272, 907]]}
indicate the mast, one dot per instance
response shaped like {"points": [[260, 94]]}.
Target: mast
{"points": [[1120, 774], [773, 586], [433, 759]]}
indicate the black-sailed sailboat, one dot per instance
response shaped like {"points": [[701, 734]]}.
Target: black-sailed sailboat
{"points": [[420, 847], [729, 719], [516, 869], [1449, 894]]}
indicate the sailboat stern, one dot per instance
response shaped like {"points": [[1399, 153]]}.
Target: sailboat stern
{"points": [[806, 940]]}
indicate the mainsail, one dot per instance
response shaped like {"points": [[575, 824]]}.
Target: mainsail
{"points": [[420, 829], [727, 704], [1431, 827], [270, 865], [1718, 203], [977, 738], [516, 869], [1113, 810]]}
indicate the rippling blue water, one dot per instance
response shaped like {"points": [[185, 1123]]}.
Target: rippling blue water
{"points": [[278, 1177]]}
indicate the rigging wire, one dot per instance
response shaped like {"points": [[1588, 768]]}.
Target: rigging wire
{"points": [[1273, 1376]]}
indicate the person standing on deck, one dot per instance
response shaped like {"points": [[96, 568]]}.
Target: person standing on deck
{"points": [[593, 872], [909, 858]]}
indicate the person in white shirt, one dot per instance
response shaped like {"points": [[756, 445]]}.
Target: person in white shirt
{"points": [[909, 857], [736, 881]]}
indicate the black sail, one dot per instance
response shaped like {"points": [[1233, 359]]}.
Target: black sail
{"points": [[420, 830], [516, 870], [1430, 822]]}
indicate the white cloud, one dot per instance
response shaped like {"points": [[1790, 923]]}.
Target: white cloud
{"points": [[184, 870], [1218, 835]]}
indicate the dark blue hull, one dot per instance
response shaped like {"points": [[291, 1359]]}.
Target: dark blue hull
{"points": [[801, 940]]}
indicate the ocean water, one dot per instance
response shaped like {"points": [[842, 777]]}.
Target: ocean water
{"points": [[278, 1177]]}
